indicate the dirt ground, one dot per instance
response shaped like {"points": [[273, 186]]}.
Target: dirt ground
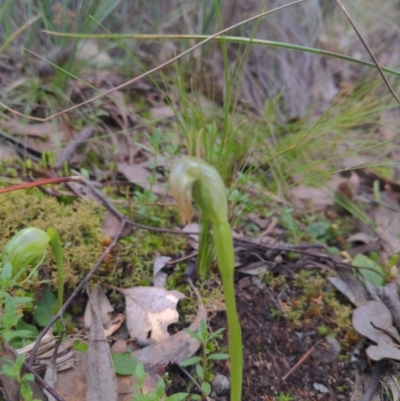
{"points": [[272, 346]]}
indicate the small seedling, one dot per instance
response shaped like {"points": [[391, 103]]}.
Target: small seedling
{"points": [[13, 370], [203, 364], [284, 397], [156, 395]]}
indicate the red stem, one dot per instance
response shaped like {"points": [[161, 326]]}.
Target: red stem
{"points": [[44, 181]]}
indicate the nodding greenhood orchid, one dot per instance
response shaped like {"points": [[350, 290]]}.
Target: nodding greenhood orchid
{"points": [[193, 179], [27, 248]]}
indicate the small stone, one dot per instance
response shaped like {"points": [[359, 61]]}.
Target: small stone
{"points": [[220, 384]]}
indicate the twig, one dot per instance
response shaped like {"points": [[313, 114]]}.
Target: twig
{"points": [[368, 49], [302, 359], [44, 181], [182, 259], [75, 292], [38, 379], [108, 204]]}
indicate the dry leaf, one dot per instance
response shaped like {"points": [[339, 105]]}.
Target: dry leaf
{"points": [[370, 315], [349, 286], [101, 303], [390, 297], [384, 348], [50, 377], [161, 112], [111, 225], [42, 130], [176, 348], [159, 277], [149, 312], [101, 382], [303, 195], [139, 175]]}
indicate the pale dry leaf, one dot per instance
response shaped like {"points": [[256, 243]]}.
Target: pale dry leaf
{"points": [[114, 324], [159, 277], [349, 286], [101, 303], [303, 196], [101, 382], [139, 175], [175, 348], [390, 297], [370, 315], [193, 240], [149, 312], [71, 384], [384, 348], [50, 377], [161, 112], [8, 153], [111, 225], [41, 130]]}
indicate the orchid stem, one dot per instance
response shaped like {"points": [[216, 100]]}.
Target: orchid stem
{"points": [[225, 258]]}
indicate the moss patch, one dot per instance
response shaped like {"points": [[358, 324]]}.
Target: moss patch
{"points": [[78, 224]]}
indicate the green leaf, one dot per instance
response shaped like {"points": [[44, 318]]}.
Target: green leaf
{"points": [[9, 335], [28, 377], [142, 397], [194, 335], [124, 364], [206, 388], [26, 391], [195, 397], [140, 373], [6, 272], [18, 362], [203, 330], [215, 334], [22, 325], [45, 308], [160, 389], [200, 371], [177, 397], [218, 357], [83, 347], [190, 361], [370, 270], [319, 229], [7, 371]]}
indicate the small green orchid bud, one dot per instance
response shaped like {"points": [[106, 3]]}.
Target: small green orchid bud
{"points": [[192, 178], [27, 248]]}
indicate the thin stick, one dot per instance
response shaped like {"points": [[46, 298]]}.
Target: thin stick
{"points": [[153, 70], [38, 379], [302, 359], [75, 292], [368, 49], [108, 204], [44, 181]]}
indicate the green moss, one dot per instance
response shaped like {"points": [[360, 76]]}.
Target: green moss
{"points": [[78, 224]]}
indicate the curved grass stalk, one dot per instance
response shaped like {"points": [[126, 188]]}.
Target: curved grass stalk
{"points": [[192, 178], [232, 39]]}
